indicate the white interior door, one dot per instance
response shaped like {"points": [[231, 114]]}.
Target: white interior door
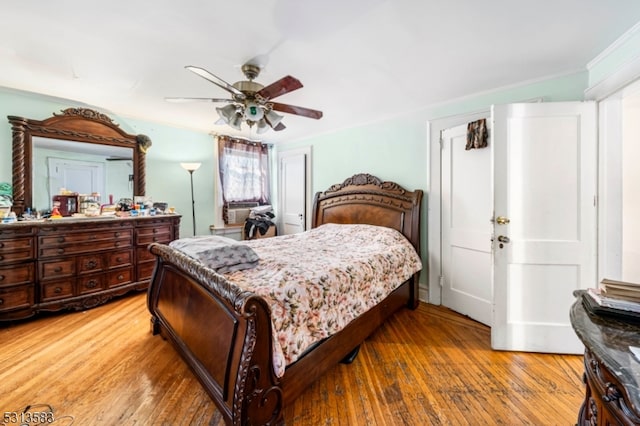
{"points": [[467, 210], [83, 177], [545, 186], [293, 184]]}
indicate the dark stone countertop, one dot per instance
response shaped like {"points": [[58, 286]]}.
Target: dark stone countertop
{"points": [[609, 339]]}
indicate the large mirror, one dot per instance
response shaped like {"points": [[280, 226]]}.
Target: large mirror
{"points": [[78, 150]]}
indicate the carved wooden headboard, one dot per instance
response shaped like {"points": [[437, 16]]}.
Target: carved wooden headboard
{"points": [[364, 198]]}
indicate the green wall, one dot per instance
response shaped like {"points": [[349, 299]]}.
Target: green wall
{"points": [[397, 149]]}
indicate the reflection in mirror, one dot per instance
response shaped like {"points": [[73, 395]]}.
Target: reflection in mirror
{"points": [[95, 134], [78, 167]]}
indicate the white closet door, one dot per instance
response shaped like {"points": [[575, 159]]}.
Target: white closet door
{"points": [[545, 186], [467, 209]]}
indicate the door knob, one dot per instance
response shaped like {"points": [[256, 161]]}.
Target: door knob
{"points": [[503, 239], [501, 220]]}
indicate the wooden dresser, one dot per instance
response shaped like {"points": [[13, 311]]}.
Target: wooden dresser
{"points": [[612, 371], [76, 263]]}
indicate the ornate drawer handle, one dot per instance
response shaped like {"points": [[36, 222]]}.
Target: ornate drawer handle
{"points": [[1, 302], [92, 264], [1, 245], [61, 239], [58, 269], [119, 259], [60, 251], [117, 244], [155, 231], [57, 290], [155, 239], [1, 277], [120, 277], [1, 257], [92, 284], [117, 234], [611, 392]]}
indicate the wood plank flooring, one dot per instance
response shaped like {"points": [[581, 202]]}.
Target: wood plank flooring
{"points": [[425, 367]]}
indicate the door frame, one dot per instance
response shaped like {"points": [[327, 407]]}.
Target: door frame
{"points": [[434, 198], [307, 151]]}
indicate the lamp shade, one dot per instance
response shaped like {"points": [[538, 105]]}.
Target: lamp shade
{"points": [[273, 118], [227, 112], [262, 126], [236, 121], [190, 167]]}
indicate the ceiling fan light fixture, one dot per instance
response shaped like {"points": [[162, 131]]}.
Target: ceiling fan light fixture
{"points": [[253, 111], [251, 102], [273, 118], [227, 112]]}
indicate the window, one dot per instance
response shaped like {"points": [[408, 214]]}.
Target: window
{"points": [[244, 171]]}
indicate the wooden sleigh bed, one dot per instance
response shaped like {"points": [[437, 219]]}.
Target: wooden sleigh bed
{"points": [[225, 334]]}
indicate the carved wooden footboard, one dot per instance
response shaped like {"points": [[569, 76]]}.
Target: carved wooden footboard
{"points": [[224, 334]]}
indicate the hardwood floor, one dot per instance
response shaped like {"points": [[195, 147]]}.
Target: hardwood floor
{"points": [[425, 367]]}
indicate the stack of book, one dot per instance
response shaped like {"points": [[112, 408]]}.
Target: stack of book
{"points": [[617, 295], [621, 290]]}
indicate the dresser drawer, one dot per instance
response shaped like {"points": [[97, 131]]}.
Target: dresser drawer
{"points": [[84, 248], [56, 289], [95, 236], [9, 232], [17, 297], [143, 254], [90, 263], [147, 239], [57, 268], [16, 244], [160, 228], [145, 270], [91, 283], [119, 277], [120, 258], [17, 274], [16, 255]]}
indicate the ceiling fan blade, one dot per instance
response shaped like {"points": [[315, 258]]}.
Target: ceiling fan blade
{"points": [[184, 100], [216, 80], [278, 88], [279, 127], [292, 109]]}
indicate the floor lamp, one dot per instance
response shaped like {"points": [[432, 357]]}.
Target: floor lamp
{"points": [[192, 167]]}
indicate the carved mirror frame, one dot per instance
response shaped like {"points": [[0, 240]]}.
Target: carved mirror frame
{"points": [[73, 124]]}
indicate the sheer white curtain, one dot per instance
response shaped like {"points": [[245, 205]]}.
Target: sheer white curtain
{"points": [[244, 171]]}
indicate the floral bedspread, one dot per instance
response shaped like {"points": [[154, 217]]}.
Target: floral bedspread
{"points": [[318, 281]]}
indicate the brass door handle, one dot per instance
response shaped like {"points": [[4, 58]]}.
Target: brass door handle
{"points": [[503, 239], [501, 220]]}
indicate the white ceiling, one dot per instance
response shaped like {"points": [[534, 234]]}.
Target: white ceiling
{"points": [[359, 60]]}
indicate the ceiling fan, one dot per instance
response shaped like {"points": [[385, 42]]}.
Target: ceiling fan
{"points": [[251, 101]]}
